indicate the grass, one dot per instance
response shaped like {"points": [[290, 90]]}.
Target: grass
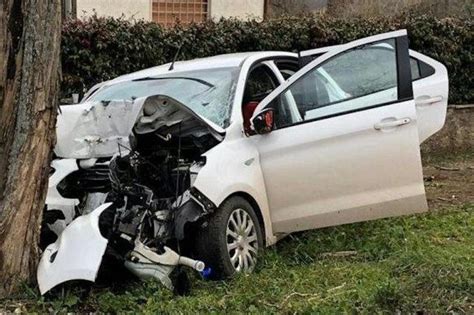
{"points": [[416, 263]]}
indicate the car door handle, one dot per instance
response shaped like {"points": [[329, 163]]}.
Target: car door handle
{"points": [[391, 123], [423, 100]]}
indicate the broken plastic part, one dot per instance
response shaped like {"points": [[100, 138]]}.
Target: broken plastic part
{"points": [[206, 273], [202, 199], [76, 255], [189, 212], [149, 270], [169, 257], [54, 200], [146, 263]]}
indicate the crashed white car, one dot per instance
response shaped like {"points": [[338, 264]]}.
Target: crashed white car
{"points": [[216, 158]]}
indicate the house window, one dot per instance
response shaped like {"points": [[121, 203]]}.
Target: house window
{"points": [[168, 12]]}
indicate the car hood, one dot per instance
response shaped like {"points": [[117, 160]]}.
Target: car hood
{"points": [[101, 129]]}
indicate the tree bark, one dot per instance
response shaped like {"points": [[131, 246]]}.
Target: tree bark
{"points": [[30, 34]]}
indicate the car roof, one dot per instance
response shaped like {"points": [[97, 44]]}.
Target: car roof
{"points": [[218, 61]]}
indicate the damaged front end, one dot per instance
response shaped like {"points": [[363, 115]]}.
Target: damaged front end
{"points": [[151, 204], [88, 135]]}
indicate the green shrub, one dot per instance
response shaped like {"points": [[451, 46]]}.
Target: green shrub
{"points": [[99, 49]]}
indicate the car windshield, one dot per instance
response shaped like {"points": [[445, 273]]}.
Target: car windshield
{"points": [[208, 92]]}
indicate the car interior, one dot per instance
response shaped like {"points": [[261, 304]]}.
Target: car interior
{"points": [[260, 82]]}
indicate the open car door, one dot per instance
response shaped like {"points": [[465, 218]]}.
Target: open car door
{"points": [[430, 88], [345, 145]]}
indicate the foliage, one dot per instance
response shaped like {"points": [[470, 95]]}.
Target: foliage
{"points": [[350, 8], [99, 49]]}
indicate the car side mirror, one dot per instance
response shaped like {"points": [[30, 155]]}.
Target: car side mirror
{"points": [[264, 121]]}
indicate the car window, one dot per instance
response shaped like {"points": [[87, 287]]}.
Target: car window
{"points": [[420, 69], [260, 82], [355, 79], [415, 69]]}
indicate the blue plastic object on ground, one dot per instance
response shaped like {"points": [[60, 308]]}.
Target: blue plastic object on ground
{"points": [[206, 273]]}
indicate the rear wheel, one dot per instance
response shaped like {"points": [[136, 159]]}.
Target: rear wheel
{"points": [[232, 239]]}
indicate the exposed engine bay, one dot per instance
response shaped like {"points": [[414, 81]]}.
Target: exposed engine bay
{"points": [[152, 201]]}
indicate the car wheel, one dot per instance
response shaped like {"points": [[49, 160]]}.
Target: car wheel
{"points": [[231, 240]]}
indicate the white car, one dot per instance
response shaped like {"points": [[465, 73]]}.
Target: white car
{"points": [[230, 153]]}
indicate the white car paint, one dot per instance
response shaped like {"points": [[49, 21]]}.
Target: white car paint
{"points": [[54, 200], [431, 97], [77, 253], [93, 129], [319, 191], [341, 169], [240, 174]]}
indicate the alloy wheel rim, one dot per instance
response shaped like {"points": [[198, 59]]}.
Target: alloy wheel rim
{"points": [[242, 241]]}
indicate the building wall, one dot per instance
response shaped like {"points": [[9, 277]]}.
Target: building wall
{"points": [[242, 9], [138, 9], [141, 9]]}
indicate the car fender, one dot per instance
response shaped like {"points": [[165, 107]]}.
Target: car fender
{"points": [[76, 255], [233, 166]]}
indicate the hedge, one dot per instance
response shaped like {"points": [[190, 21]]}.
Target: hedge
{"points": [[99, 49]]}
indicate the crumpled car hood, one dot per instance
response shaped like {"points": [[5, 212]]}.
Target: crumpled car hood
{"points": [[97, 129], [94, 129], [166, 116]]}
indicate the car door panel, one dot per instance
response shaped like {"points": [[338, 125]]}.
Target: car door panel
{"points": [[431, 97], [346, 165], [333, 171]]}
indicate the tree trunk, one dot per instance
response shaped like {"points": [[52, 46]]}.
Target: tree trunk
{"points": [[29, 82]]}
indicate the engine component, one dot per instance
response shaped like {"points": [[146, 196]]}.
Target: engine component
{"points": [[142, 253]]}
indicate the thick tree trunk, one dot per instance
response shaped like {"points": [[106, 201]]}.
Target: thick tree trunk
{"points": [[29, 81]]}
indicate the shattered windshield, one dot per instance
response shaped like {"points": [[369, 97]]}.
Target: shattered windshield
{"points": [[207, 92]]}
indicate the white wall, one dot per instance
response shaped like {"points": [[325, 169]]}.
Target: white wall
{"points": [[139, 9], [242, 9]]}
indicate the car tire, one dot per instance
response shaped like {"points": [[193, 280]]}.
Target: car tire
{"points": [[228, 244]]}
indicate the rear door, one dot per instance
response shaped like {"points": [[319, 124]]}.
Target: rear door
{"points": [[353, 152], [430, 90]]}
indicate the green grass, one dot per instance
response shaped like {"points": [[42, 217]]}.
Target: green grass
{"points": [[415, 263]]}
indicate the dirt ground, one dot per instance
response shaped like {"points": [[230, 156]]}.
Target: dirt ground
{"points": [[449, 181]]}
